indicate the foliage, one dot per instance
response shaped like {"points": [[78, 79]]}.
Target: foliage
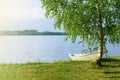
{"points": [[79, 18]]}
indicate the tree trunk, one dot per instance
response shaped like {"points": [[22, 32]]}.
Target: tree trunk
{"points": [[100, 33]]}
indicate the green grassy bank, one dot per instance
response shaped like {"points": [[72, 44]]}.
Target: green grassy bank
{"points": [[62, 70]]}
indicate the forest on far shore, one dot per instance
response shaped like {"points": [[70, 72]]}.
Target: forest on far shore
{"points": [[30, 32]]}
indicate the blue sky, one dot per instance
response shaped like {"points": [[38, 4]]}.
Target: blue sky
{"points": [[24, 14]]}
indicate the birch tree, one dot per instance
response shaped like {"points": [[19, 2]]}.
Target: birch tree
{"points": [[96, 22]]}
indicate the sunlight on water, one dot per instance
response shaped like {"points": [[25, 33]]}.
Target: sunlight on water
{"points": [[6, 46], [34, 48], [15, 49]]}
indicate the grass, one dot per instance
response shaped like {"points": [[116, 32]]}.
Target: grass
{"points": [[62, 70]]}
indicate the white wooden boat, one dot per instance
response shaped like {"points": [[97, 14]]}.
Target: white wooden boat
{"points": [[85, 57]]}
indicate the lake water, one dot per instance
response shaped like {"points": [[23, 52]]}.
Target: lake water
{"points": [[20, 49]]}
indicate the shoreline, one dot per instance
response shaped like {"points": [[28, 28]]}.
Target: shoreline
{"points": [[54, 61]]}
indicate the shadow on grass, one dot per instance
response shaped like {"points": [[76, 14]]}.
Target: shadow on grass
{"points": [[115, 72], [112, 64], [113, 77], [110, 60]]}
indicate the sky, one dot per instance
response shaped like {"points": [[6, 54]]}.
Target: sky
{"points": [[24, 14]]}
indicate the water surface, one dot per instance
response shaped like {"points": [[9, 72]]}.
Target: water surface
{"points": [[19, 49]]}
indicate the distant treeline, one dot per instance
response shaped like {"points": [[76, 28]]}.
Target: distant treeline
{"points": [[30, 32]]}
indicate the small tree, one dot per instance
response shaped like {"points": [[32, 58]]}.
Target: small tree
{"points": [[96, 22]]}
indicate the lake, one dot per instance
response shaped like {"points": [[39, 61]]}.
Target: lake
{"points": [[20, 49]]}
